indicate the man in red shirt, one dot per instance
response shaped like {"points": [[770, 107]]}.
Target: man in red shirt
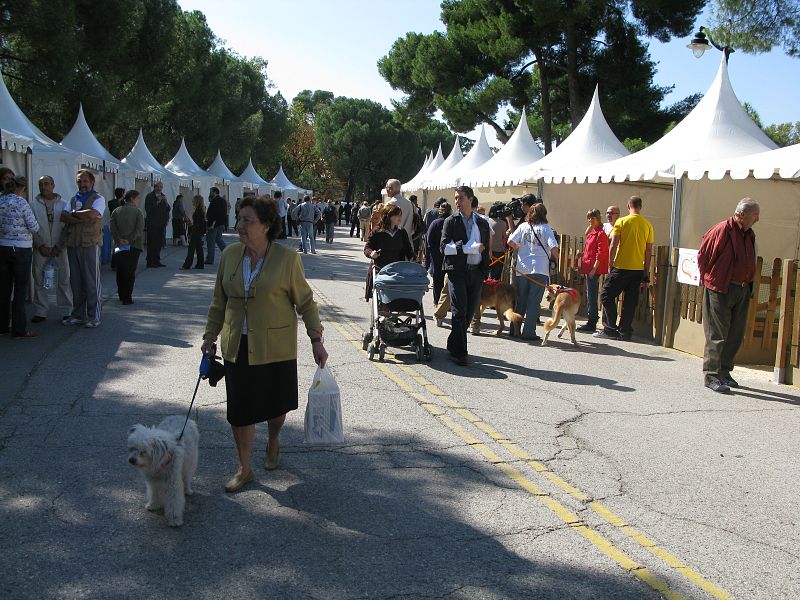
{"points": [[727, 262]]}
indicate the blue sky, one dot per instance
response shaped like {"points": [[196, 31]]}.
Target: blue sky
{"points": [[335, 45]]}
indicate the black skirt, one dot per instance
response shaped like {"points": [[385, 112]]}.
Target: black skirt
{"points": [[259, 393]]}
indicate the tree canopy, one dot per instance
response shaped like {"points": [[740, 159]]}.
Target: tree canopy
{"points": [[757, 26], [140, 63], [546, 55]]}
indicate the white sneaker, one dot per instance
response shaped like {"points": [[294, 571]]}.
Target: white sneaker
{"points": [[72, 321], [92, 324]]}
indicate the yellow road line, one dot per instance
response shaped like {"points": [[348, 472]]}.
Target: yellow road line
{"points": [[556, 507]]}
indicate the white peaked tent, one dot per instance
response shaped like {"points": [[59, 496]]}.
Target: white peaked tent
{"points": [[416, 184], [710, 190], [476, 157], [225, 179], [290, 190], [717, 127], [147, 170], [183, 166], [518, 152], [47, 157], [455, 157], [592, 142], [81, 139], [413, 180], [250, 178]]}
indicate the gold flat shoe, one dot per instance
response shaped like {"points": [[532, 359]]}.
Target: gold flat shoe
{"points": [[272, 460], [237, 482]]}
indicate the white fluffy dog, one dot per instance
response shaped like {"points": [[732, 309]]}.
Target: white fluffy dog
{"points": [[166, 464]]}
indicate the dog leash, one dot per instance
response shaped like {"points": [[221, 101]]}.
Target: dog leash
{"points": [[205, 364]]}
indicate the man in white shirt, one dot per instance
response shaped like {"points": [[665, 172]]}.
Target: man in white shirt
{"points": [[281, 213], [395, 197], [612, 214]]}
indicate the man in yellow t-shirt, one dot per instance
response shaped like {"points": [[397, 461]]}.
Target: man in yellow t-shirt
{"points": [[630, 252]]}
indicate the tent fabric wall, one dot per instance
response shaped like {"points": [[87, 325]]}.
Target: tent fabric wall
{"points": [[15, 161], [568, 203], [706, 203]]}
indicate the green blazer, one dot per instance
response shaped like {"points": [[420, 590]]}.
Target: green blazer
{"points": [[277, 295]]}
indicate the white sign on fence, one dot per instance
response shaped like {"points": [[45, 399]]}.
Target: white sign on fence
{"points": [[688, 271]]}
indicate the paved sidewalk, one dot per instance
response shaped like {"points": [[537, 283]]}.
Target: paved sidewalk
{"points": [[605, 471]]}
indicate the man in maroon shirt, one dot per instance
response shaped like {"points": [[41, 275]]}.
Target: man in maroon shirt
{"points": [[727, 261]]}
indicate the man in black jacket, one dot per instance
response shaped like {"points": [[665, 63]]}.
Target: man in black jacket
{"points": [[154, 223], [216, 216], [465, 246]]}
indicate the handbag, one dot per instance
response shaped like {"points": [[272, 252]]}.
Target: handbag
{"points": [[552, 263]]}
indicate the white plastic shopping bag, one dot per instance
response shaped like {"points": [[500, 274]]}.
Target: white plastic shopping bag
{"points": [[323, 423]]}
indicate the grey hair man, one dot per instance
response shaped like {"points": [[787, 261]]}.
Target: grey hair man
{"points": [[395, 196], [48, 246], [727, 264]]}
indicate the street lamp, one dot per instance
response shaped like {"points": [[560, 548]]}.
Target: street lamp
{"points": [[700, 44]]}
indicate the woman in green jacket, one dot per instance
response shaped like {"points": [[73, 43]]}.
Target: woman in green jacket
{"points": [[260, 289]]}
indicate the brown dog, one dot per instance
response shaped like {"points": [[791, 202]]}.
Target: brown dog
{"points": [[566, 303], [501, 296]]}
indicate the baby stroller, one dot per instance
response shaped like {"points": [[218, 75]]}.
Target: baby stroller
{"points": [[397, 318]]}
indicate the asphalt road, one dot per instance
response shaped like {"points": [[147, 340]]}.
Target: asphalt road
{"points": [[603, 471]]}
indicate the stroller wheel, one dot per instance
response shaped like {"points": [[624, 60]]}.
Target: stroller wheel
{"points": [[382, 352], [366, 338], [371, 351], [427, 352], [419, 352]]}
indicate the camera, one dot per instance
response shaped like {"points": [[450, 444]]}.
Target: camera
{"points": [[512, 208]]}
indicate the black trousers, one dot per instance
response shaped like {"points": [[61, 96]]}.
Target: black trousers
{"points": [[15, 273], [617, 282], [465, 293], [438, 284], [724, 321], [355, 225], [126, 273], [155, 235], [195, 248]]}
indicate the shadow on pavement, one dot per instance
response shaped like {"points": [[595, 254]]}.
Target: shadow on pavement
{"points": [[331, 523], [768, 395]]}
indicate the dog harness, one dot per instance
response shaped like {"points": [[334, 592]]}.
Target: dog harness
{"points": [[495, 283], [561, 289]]}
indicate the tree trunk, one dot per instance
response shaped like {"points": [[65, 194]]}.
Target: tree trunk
{"points": [[575, 111], [547, 113], [350, 189]]}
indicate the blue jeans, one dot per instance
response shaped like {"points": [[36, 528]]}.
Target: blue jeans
{"points": [[592, 288], [214, 238], [307, 229], [529, 300]]}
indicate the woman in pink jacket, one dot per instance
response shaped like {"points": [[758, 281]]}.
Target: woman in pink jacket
{"points": [[593, 264]]}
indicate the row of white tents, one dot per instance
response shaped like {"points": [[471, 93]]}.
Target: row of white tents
{"points": [[27, 150], [689, 179]]}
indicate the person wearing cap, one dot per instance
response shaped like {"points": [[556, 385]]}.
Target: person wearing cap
{"points": [[465, 247]]}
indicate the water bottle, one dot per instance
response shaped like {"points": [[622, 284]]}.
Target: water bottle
{"points": [[50, 275]]}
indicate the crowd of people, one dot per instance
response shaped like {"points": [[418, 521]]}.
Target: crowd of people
{"points": [[463, 248]]}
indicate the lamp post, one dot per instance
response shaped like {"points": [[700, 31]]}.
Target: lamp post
{"points": [[702, 41]]}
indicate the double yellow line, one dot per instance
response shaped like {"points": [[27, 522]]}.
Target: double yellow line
{"points": [[341, 322]]}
